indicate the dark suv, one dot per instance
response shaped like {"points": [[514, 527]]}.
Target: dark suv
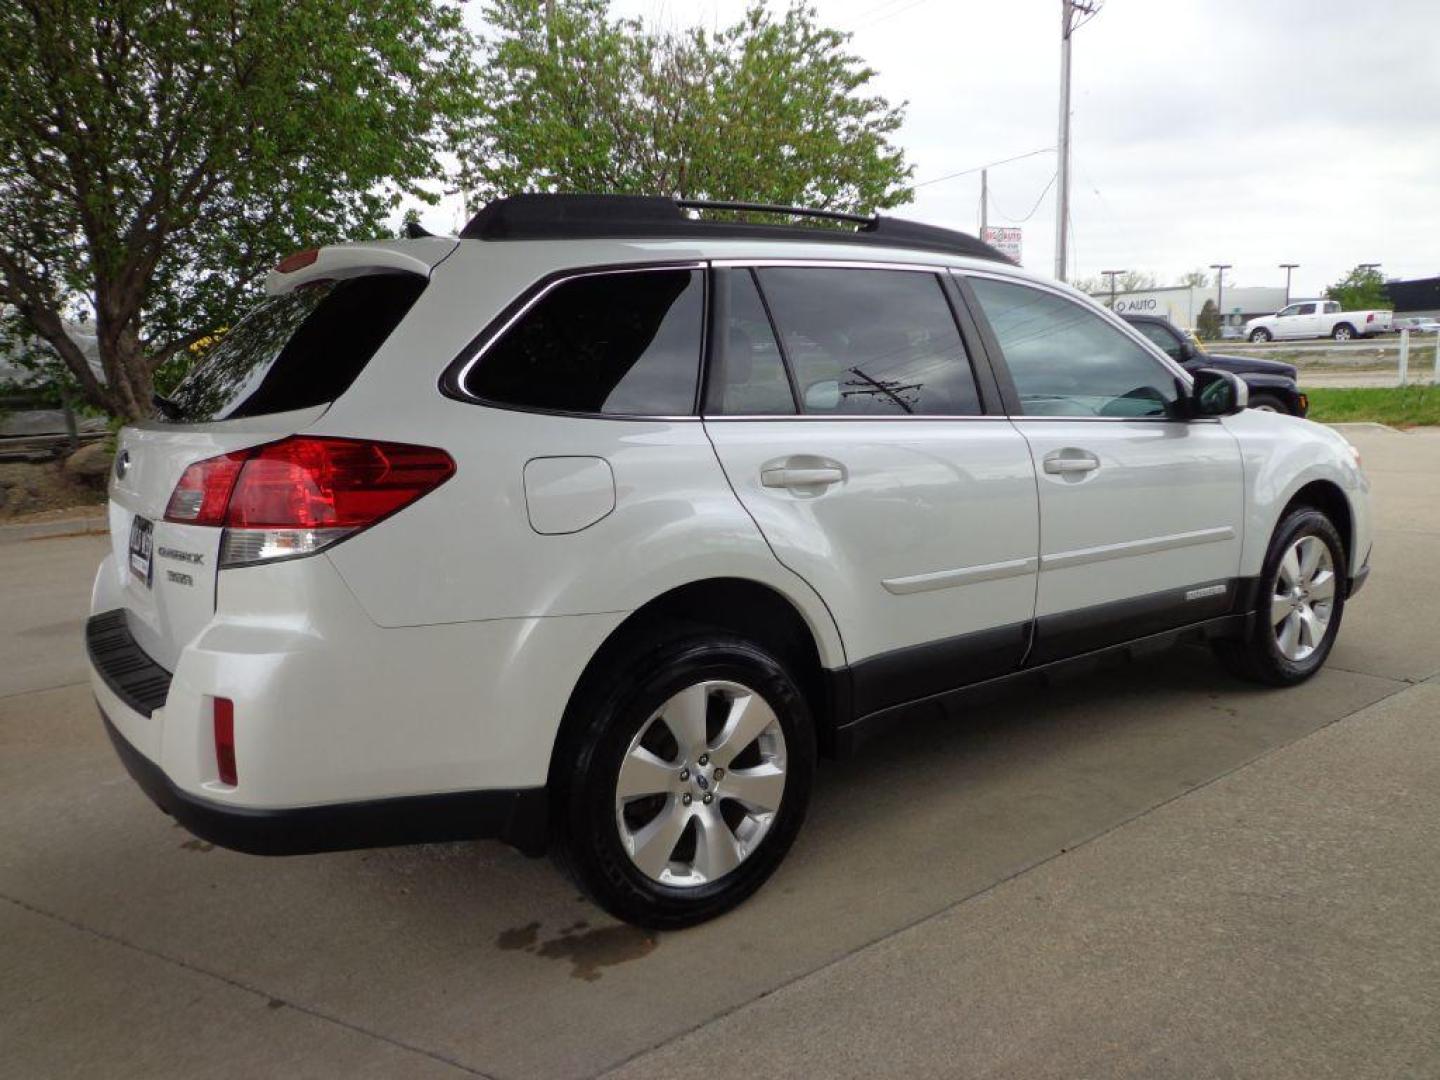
{"points": [[1273, 385]]}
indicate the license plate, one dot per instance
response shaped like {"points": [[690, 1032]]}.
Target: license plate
{"points": [[142, 547]]}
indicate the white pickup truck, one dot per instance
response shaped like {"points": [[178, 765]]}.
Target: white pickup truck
{"points": [[1317, 318]]}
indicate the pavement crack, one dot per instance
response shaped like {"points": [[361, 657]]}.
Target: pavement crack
{"points": [[43, 689], [271, 1000]]}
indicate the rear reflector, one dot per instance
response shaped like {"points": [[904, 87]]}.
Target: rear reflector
{"points": [[225, 740], [301, 494]]}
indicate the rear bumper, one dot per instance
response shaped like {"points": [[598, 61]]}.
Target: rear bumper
{"points": [[515, 816]]}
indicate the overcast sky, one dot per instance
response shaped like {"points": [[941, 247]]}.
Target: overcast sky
{"points": [[1250, 132]]}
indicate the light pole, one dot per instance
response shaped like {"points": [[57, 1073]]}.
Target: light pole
{"points": [[1287, 267], [1111, 275], [1220, 269], [1068, 10]]}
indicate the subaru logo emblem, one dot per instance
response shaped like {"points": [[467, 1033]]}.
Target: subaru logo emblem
{"points": [[122, 464]]}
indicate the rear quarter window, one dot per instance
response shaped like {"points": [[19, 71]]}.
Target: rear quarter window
{"points": [[625, 343], [297, 350]]}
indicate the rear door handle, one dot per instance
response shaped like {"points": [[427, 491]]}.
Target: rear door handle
{"points": [[1062, 462], [801, 474]]}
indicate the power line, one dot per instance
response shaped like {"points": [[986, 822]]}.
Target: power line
{"points": [[1039, 199], [987, 165]]}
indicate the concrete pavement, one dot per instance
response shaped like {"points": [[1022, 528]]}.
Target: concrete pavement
{"points": [[1153, 870]]}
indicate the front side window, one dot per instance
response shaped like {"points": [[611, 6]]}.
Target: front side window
{"points": [[1293, 309], [1305, 309], [1068, 361], [1168, 342], [624, 343], [870, 342]]}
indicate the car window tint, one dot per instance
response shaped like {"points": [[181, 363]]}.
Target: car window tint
{"points": [[749, 376], [1305, 309], [296, 350], [625, 343], [870, 342], [1161, 337], [1068, 361]]}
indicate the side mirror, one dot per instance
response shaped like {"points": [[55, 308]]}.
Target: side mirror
{"points": [[1218, 393], [823, 395]]}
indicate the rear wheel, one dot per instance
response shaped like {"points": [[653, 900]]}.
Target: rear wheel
{"points": [[1301, 600], [1260, 334], [688, 781], [1343, 332]]}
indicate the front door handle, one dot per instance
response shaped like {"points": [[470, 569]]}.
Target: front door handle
{"points": [[1063, 462], [801, 472]]}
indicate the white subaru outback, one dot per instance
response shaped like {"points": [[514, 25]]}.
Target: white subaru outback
{"points": [[592, 528]]}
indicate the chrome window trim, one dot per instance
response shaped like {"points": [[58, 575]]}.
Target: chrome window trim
{"points": [[871, 419], [1106, 315], [831, 264], [562, 278]]}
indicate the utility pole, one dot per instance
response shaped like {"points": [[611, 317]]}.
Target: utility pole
{"points": [[1287, 267], [1068, 10], [1111, 274], [1220, 269], [984, 201]]}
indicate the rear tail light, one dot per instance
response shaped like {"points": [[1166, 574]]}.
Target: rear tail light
{"points": [[302, 494], [225, 741], [1370, 317]]}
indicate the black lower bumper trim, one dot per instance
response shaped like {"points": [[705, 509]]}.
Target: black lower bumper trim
{"points": [[514, 816]]}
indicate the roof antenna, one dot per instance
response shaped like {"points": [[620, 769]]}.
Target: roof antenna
{"points": [[415, 231]]}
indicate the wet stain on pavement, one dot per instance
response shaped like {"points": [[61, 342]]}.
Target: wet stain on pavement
{"points": [[518, 937], [197, 845], [587, 950], [592, 950]]}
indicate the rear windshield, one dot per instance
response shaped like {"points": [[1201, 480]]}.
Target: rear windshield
{"points": [[296, 351]]}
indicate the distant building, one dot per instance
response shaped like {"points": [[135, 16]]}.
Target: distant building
{"points": [[1418, 296], [1181, 304]]}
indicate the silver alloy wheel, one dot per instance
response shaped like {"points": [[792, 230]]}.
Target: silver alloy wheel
{"points": [[686, 817], [1342, 333], [1264, 408], [1304, 599]]}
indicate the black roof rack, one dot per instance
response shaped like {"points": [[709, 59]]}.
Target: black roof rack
{"points": [[574, 217]]}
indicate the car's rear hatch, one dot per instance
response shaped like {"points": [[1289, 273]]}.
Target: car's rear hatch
{"points": [[270, 376]]}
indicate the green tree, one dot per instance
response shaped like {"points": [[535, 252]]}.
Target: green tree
{"points": [[1360, 290], [155, 157], [1207, 323], [771, 109], [1196, 279]]}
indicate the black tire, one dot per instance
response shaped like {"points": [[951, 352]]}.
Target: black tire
{"points": [[1343, 332], [1260, 334], [608, 714], [1268, 401], [1257, 657]]}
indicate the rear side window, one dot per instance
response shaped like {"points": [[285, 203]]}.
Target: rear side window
{"points": [[624, 343], [297, 350], [749, 375], [870, 342]]}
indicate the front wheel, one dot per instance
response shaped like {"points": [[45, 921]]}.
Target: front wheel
{"points": [[688, 781], [1267, 403], [1260, 335], [1301, 600], [1343, 332]]}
